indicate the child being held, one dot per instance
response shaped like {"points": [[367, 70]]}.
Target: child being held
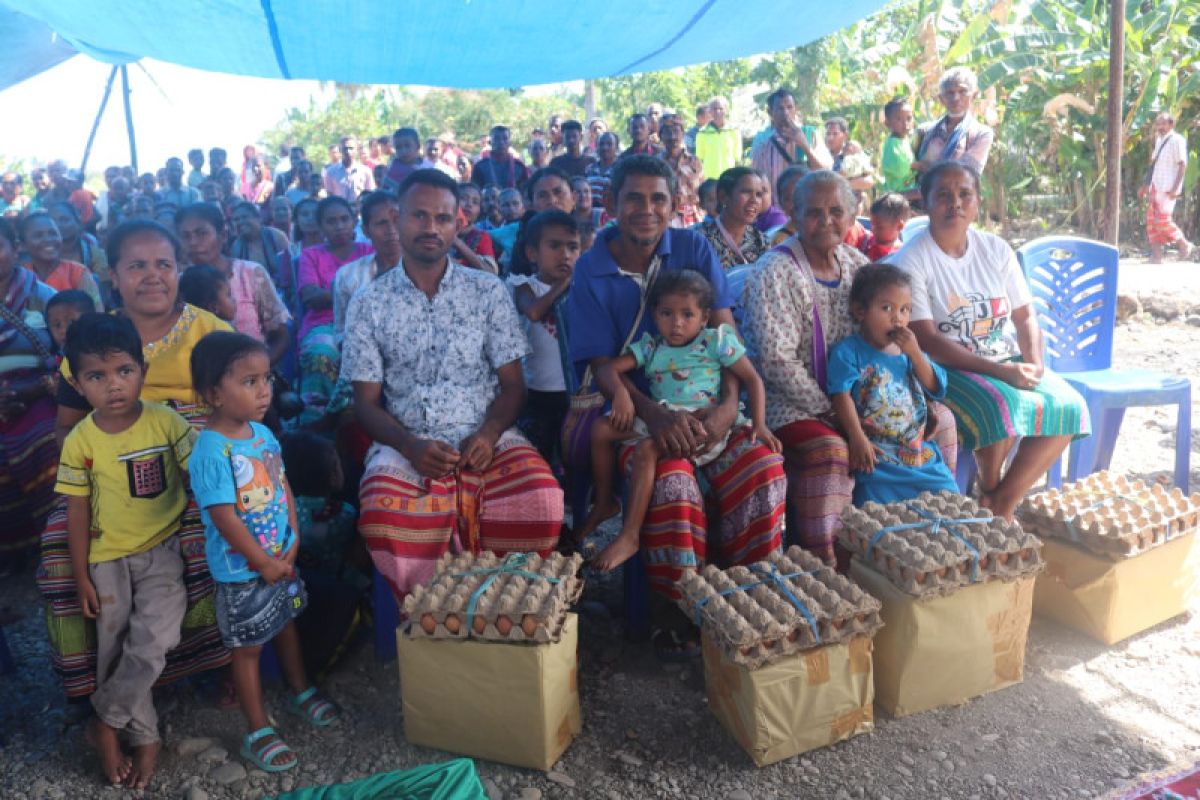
{"points": [[552, 246], [708, 198], [251, 543], [208, 288], [122, 470], [888, 215], [683, 364], [64, 308], [878, 380]]}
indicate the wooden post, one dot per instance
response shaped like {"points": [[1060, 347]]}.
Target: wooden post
{"points": [[589, 101], [129, 119], [1116, 129], [87, 150]]}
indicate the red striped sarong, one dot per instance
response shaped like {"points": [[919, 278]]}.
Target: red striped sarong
{"points": [[749, 489], [1160, 222], [409, 521]]}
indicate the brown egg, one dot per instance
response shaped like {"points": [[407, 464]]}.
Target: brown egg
{"points": [[747, 650], [1002, 558], [428, 623], [503, 624], [479, 624], [793, 635], [452, 624], [529, 624]]}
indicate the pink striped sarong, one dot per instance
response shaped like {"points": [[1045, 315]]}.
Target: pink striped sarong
{"points": [[1160, 222], [409, 521]]}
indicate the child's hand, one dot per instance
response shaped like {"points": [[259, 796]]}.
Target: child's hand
{"points": [[763, 434], [862, 453], [89, 601], [906, 340], [274, 570], [622, 412]]}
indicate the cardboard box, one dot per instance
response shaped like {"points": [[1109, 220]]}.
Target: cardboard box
{"points": [[943, 651], [799, 703], [512, 703], [1113, 600]]}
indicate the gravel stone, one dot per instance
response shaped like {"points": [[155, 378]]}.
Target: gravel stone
{"points": [[227, 773]]}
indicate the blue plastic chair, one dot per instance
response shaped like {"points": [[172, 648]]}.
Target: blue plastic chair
{"points": [[1074, 284]]}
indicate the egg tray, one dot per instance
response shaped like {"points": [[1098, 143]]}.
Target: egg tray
{"points": [[749, 615], [926, 550], [521, 597], [1112, 515]]}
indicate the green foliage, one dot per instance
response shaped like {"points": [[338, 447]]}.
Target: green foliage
{"points": [[370, 111]]}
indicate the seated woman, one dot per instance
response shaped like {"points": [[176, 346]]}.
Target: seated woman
{"points": [[796, 306], [973, 314], [43, 242], [741, 194], [319, 357], [169, 330], [260, 313]]}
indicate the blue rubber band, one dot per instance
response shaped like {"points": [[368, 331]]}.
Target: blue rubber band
{"points": [[1070, 521], [512, 565], [932, 525], [772, 576]]}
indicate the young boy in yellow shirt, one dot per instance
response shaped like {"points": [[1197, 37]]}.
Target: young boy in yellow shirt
{"points": [[122, 470]]}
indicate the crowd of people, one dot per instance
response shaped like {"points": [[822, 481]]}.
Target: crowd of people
{"points": [[409, 352]]}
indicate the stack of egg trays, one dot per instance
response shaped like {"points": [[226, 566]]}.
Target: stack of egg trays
{"points": [[1112, 515], [514, 607], [761, 624], [925, 559]]}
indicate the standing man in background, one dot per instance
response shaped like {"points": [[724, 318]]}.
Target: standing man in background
{"points": [[1164, 186]]}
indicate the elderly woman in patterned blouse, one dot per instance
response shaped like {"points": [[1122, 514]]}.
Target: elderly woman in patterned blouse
{"points": [[796, 306]]}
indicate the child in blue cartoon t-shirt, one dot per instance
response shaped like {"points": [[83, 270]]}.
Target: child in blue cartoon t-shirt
{"points": [[251, 539]]}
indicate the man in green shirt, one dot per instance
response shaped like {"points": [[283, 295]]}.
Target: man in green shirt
{"points": [[717, 146]]}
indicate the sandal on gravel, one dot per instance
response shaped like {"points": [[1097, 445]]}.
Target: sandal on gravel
{"points": [[671, 648], [314, 708], [265, 756]]}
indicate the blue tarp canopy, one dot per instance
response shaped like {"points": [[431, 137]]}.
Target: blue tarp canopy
{"points": [[453, 43]]}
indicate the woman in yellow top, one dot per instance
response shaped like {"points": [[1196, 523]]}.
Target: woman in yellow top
{"points": [[144, 262]]}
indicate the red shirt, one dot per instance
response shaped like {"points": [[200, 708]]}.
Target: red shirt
{"points": [[877, 251]]}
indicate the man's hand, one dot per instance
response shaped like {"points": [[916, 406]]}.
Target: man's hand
{"points": [[1143, 191], [478, 449], [677, 433], [432, 458], [89, 600]]}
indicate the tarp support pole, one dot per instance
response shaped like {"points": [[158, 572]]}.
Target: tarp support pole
{"points": [[87, 151], [1115, 145], [129, 119]]}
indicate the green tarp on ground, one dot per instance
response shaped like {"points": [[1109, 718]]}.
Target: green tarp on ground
{"points": [[451, 780]]}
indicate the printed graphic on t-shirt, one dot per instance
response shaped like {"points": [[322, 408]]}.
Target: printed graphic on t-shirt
{"points": [[147, 472], [978, 320], [259, 500]]}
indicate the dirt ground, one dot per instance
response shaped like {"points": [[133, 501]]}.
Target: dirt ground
{"points": [[1087, 720]]}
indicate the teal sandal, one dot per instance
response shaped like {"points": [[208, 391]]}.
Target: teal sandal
{"points": [[316, 709], [265, 756]]}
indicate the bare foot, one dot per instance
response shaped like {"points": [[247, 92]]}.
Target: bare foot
{"points": [[104, 741], [601, 512], [621, 550], [143, 765], [998, 507]]}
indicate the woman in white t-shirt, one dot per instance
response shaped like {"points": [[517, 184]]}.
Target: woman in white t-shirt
{"points": [[973, 313]]}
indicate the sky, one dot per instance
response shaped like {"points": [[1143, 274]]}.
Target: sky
{"points": [[174, 109]]}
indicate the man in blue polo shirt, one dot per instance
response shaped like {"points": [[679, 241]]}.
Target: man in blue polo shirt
{"points": [[747, 481]]}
